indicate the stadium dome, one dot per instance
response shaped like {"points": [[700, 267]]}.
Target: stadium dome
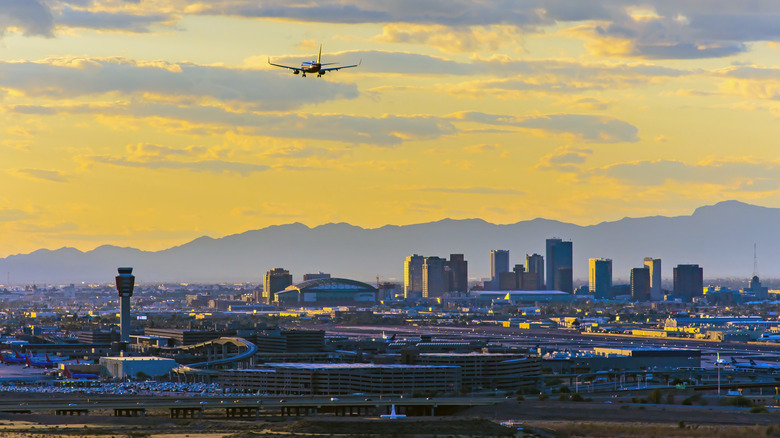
{"points": [[328, 291]]}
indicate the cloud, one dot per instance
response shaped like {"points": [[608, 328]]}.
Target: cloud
{"points": [[153, 151], [113, 20], [61, 78], [588, 128], [211, 166], [41, 174], [461, 39], [657, 29], [33, 17], [686, 29], [751, 82], [481, 148], [299, 152], [565, 159], [268, 210], [473, 190], [737, 173], [14, 215], [654, 29], [445, 12], [48, 229], [382, 131]]}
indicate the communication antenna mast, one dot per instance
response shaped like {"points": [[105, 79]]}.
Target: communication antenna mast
{"points": [[755, 261]]}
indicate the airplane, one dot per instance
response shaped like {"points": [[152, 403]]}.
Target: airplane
{"points": [[752, 367], [313, 66], [80, 376], [12, 360], [765, 337], [392, 415], [40, 363]]}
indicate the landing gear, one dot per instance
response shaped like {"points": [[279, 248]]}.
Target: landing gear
{"points": [[303, 75]]}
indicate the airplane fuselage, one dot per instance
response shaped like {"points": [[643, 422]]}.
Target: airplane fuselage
{"points": [[311, 67]]}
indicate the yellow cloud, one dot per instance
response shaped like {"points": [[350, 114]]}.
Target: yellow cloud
{"points": [[466, 39], [600, 45]]}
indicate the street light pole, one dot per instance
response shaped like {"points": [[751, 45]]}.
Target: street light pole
{"points": [[718, 362]]}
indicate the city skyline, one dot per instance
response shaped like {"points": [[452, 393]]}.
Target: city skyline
{"points": [[719, 237], [149, 124]]}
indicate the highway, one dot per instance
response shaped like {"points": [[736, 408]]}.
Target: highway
{"points": [[37, 405]]}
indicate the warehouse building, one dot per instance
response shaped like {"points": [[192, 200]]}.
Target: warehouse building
{"points": [[136, 367]]}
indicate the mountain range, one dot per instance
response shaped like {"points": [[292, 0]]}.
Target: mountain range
{"points": [[719, 237]]}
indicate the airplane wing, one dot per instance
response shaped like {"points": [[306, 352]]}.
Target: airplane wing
{"points": [[284, 66], [339, 68]]}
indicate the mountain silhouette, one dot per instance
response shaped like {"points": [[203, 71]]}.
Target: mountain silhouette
{"points": [[718, 237]]}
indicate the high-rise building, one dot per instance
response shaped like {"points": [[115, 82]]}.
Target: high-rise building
{"points": [[507, 281], [559, 265], [499, 262], [640, 284], [274, 281], [413, 276], [534, 264], [760, 292], [600, 278], [434, 277], [688, 281], [656, 293], [564, 280], [459, 273]]}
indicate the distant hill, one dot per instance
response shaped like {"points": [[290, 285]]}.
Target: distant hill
{"points": [[719, 238]]}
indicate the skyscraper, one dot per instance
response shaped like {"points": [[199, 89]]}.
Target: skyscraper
{"points": [[656, 294], [434, 277], [275, 280], [499, 262], [688, 281], [559, 265], [317, 276], [413, 271], [640, 284], [600, 278], [459, 273], [534, 265]]}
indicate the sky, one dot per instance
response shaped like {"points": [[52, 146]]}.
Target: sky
{"points": [[148, 123]]}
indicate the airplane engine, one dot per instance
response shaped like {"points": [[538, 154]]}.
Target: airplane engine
{"points": [[322, 73], [295, 72]]}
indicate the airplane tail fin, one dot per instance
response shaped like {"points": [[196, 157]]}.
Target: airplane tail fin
{"points": [[752, 362], [2, 358], [319, 55], [27, 361]]}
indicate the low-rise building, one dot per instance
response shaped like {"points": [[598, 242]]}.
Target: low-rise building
{"points": [[143, 366], [341, 379]]}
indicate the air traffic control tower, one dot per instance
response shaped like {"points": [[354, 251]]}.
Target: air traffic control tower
{"points": [[124, 286]]}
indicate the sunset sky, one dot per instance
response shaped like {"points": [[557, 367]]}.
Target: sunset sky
{"points": [[148, 123]]}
